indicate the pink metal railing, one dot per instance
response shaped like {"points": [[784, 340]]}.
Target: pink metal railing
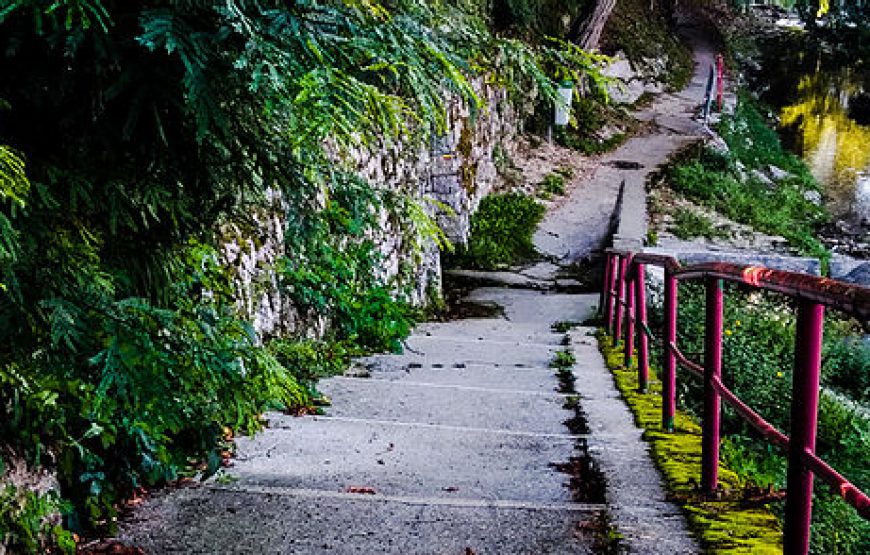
{"points": [[623, 299]]}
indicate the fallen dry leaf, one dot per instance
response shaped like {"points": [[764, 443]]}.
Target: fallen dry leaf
{"points": [[110, 547], [365, 490]]}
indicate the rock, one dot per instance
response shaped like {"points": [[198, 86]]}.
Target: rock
{"points": [[718, 145], [860, 275], [740, 168], [620, 68], [841, 265], [803, 265], [813, 196], [359, 370], [761, 177], [777, 174], [631, 84]]}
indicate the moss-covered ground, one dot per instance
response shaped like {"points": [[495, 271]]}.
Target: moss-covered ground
{"points": [[726, 524]]}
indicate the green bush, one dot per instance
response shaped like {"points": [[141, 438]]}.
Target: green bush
{"points": [[847, 368], [588, 117], [501, 231]]}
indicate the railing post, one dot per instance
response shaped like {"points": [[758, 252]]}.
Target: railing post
{"points": [[612, 264], [804, 416], [669, 361], [620, 286], [604, 283], [628, 352], [643, 340], [712, 399]]}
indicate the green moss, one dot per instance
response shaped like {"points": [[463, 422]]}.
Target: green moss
{"points": [[468, 171], [725, 525]]}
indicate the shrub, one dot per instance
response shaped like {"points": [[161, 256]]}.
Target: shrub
{"points": [[501, 231]]}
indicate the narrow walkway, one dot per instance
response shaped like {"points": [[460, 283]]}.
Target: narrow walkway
{"points": [[581, 224], [468, 443], [458, 446]]}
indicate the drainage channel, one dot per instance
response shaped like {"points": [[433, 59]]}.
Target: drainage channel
{"points": [[587, 482]]}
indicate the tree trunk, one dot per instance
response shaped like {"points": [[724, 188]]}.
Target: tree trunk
{"points": [[594, 25]]}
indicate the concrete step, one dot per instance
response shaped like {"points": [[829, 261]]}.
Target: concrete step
{"points": [[528, 381], [533, 307], [430, 351], [495, 329], [408, 461], [261, 523], [480, 407]]}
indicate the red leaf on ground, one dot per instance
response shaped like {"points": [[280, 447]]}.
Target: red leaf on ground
{"points": [[110, 547], [365, 490]]}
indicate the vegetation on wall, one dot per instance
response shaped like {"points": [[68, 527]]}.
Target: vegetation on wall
{"points": [[144, 126]]}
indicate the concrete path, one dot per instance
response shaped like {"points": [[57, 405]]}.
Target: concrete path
{"points": [[468, 443], [458, 446], [584, 221]]}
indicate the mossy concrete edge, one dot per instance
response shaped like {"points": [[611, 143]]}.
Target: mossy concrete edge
{"points": [[726, 526]]}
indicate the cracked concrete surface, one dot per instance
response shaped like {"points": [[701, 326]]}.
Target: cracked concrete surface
{"points": [[447, 448], [450, 448]]}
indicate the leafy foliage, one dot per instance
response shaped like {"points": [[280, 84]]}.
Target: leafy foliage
{"points": [[501, 231], [336, 271], [147, 124], [25, 525]]}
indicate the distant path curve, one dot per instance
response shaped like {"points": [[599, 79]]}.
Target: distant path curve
{"points": [[580, 225]]}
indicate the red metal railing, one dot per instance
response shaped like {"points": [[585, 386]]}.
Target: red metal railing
{"points": [[623, 299]]}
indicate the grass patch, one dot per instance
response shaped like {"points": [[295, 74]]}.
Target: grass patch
{"points": [[724, 526], [553, 184], [563, 361], [730, 183], [501, 232], [688, 225]]}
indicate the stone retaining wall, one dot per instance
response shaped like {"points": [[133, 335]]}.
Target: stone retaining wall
{"points": [[457, 170]]}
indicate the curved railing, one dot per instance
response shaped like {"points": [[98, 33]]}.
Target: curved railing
{"points": [[623, 299]]}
